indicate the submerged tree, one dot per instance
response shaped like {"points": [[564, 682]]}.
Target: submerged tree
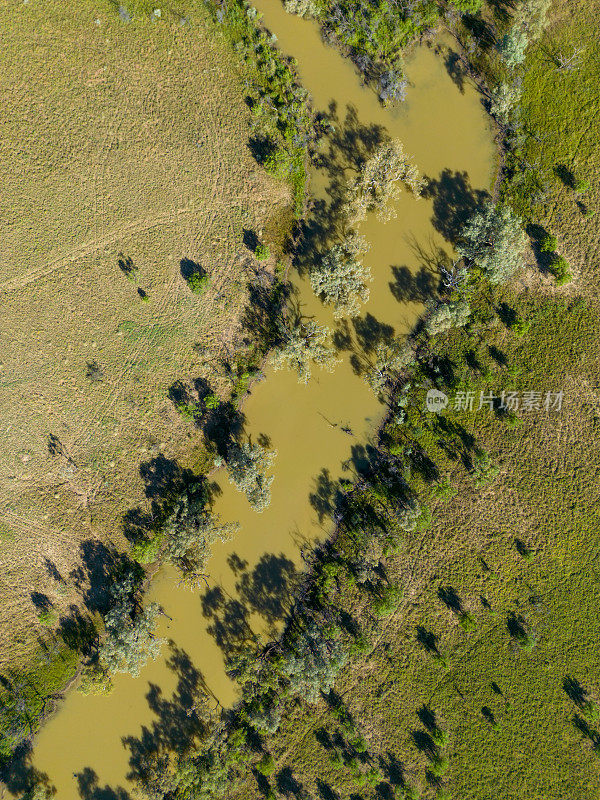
{"points": [[378, 183], [302, 345], [341, 278], [130, 638], [247, 465], [190, 531], [494, 240]]}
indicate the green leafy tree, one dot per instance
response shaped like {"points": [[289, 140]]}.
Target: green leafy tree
{"points": [[247, 465], [504, 97], [494, 240], [454, 314], [302, 345], [513, 45], [341, 278], [390, 358], [130, 639], [378, 184], [529, 23], [189, 533], [313, 664]]}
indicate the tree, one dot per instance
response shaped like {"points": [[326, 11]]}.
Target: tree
{"points": [[303, 8], [312, 666], [342, 279], [377, 185], [513, 45], [454, 314], [494, 240], [247, 465], [529, 22], [130, 639], [190, 531], [390, 358], [503, 99], [302, 344], [392, 85]]}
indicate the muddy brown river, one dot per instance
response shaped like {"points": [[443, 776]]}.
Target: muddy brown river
{"points": [[444, 128]]}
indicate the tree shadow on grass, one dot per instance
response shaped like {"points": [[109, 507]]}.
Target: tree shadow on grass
{"points": [[100, 565]]}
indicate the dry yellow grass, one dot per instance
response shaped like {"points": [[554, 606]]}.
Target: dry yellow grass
{"points": [[116, 140]]}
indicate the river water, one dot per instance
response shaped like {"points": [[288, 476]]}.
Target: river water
{"points": [[445, 130]]}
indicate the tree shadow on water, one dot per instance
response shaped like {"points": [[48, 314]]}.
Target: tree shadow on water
{"points": [[265, 590], [454, 201], [180, 723], [20, 777], [326, 496], [349, 145], [89, 789]]}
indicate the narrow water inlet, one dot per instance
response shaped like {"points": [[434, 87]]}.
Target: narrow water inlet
{"points": [[318, 430]]}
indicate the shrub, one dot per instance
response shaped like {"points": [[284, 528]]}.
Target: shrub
{"points": [[548, 244], [440, 737], [266, 765], [198, 283], [582, 186], [560, 270], [466, 621], [520, 326], [387, 602], [468, 6], [439, 765], [262, 252]]}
